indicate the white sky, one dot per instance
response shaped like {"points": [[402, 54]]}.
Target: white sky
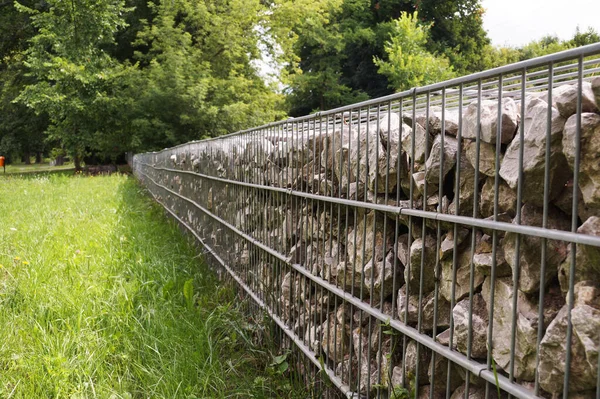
{"points": [[517, 22]]}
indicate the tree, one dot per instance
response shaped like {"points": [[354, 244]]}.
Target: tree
{"points": [[456, 32], [409, 63], [197, 78], [75, 77], [336, 48], [21, 130]]}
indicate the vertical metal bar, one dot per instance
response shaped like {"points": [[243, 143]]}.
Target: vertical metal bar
{"points": [[516, 270], [574, 221], [540, 334]]}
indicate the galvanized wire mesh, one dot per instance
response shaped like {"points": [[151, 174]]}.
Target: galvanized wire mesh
{"points": [[439, 242]]}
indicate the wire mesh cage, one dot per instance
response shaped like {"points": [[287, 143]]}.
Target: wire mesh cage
{"points": [[439, 242]]}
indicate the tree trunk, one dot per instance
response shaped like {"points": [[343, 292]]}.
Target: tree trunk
{"points": [[77, 160], [60, 160], [38, 157], [27, 158]]}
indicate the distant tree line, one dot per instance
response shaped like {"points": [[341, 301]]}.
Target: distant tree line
{"points": [[101, 77]]}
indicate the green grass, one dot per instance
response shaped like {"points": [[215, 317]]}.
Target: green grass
{"points": [[102, 297], [35, 168]]}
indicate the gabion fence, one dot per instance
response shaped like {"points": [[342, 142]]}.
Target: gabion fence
{"points": [[439, 242]]}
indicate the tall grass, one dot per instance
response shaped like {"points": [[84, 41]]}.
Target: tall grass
{"points": [[102, 297]]}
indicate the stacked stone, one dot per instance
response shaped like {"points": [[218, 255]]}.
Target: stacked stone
{"points": [[426, 282]]}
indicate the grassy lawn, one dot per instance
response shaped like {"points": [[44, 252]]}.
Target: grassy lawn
{"points": [[33, 168], [92, 300]]}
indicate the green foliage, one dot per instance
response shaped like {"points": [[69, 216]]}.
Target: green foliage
{"points": [[456, 32], [409, 63], [75, 78], [197, 78]]}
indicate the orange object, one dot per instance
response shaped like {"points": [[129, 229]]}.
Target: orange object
{"points": [[1, 162]]}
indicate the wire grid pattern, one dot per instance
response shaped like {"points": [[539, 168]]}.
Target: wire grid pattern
{"points": [[358, 231]]}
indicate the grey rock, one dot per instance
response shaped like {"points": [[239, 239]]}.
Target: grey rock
{"points": [[484, 263], [475, 392], [412, 273], [362, 244], [334, 339], [585, 320], [439, 367], [530, 253], [489, 121], [487, 156], [419, 184], [526, 328], [434, 122], [477, 326], [534, 155], [564, 98], [412, 359], [564, 202], [449, 242], [589, 167], [587, 258], [434, 162], [507, 198], [466, 190], [463, 276], [379, 277], [428, 307], [596, 89], [422, 142]]}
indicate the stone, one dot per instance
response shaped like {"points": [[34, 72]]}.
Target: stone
{"points": [[434, 164], [422, 142], [526, 328], [258, 151], [475, 392], [402, 249], [500, 217], [596, 88], [428, 307], [412, 359], [450, 241], [564, 202], [434, 120], [487, 157], [507, 198], [478, 326], [335, 156], [438, 368], [379, 276], [489, 121], [362, 244], [534, 155], [372, 163], [419, 184], [530, 254], [589, 167], [412, 272], [564, 98], [463, 276], [466, 190], [334, 339], [484, 263], [587, 258], [444, 338], [585, 320]]}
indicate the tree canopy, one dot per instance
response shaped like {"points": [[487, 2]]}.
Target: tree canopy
{"points": [[107, 76]]}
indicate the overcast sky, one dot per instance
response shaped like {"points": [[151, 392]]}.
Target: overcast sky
{"points": [[517, 22]]}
